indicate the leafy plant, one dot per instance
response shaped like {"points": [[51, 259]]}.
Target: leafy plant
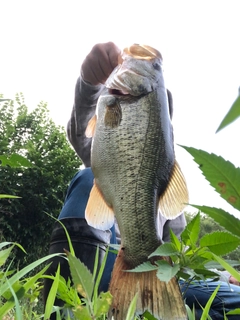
{"points": [[15, 287], [37, 163]]}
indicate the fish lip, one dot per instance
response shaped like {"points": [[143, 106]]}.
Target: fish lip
{"points": [[117, 92], [120, 94]]}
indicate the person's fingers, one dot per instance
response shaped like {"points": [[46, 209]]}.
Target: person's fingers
{"points": [[100, 62]]}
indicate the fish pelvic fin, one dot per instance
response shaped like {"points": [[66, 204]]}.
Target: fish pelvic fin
{"points": [[175, 197], [113, 114], [90, 130], [97, 213], [163, 300]]}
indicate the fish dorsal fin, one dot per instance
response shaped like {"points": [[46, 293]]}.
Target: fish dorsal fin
{"points": [[98, 214], [175, 197], [90, 130]]}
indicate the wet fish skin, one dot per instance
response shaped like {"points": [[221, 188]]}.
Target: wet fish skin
{"points": [[132, 163], [136, 173]]}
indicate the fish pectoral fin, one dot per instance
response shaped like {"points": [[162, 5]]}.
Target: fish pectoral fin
{"points": [[90, 130], [113, 114], [98, 214], [175, 197]]}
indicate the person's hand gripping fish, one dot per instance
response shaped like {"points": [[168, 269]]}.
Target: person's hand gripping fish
{"points": [[100, 62]]}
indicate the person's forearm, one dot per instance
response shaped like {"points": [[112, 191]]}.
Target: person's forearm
{"points": [[86, 96]]}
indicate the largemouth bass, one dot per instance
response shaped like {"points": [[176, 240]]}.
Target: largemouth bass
{"points": [[136, 175]]}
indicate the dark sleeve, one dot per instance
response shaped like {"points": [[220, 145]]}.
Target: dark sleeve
{"points": [[85, 101], [177, 225]]}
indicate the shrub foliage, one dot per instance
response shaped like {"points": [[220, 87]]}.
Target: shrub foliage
{"points": [[41, 187]]}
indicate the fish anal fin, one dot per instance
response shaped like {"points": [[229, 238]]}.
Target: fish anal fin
{"points": [[90, 130], [163, 300], [175, 197], [113, 114], [98, 214]]}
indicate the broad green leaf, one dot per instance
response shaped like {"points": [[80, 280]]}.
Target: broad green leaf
{"points": [[165, 250], [144, 267], [222, 175], [232, 114], [225, 219], [81, 276], [82, 312], [147, 315], [235, 311], [220, 242], [165, 271], [175, 241], [132, 308], [102, 304], [190, 234]]}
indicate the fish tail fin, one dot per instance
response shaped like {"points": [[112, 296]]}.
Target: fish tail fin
{"points": [[163, 300]]}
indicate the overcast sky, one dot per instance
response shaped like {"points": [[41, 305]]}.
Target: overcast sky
{"points": [[44, 42]]}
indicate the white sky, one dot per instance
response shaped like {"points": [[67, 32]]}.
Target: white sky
{"points": [[43, 43]]}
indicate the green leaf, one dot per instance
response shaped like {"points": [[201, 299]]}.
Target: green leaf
{"points": [[24, 271], [81, 276], [216, 265], [225, 219], [165, 250], [144, 267], [175, 241], [232, 114], [220, 242], [207, 307], [222, 175], [190, 234], [147, 315], [102, 304], [4, 254], [2, 196], [132, 308], [82, 312], [190, 313], [17, 305], [235, 311], [227, 267], [19, 291], [165, 271], [52, 295]]}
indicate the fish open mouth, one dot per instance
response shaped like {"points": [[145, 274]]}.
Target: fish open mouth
{"points": [[118, 92]]}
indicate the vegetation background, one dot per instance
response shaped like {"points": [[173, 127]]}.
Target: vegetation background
{"points": [[42, 187]]}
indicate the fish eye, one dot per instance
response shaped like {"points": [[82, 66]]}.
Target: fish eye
{"points": [[156, 66]]}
